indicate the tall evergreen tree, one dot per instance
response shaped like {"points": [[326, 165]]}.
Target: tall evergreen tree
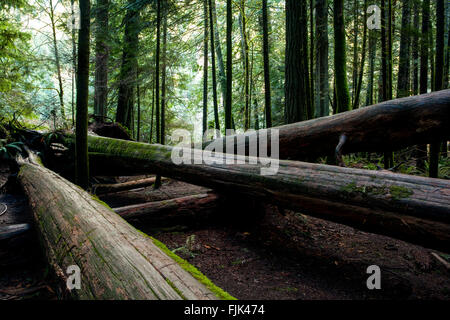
{"points": [[228, 102], [101, 60], [266, 62], [404, 63], [322, 58], [297, 80], [81, 147], [128, 69], [340, 59], [205, 68], [438, 79], [213, 67]]}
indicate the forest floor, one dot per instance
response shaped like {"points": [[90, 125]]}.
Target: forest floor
{"points": [[268, 256]]}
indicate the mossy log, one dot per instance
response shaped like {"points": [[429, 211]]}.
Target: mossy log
{"points": [[116, 260], [184, 206], [411, 208], [390, 125]]}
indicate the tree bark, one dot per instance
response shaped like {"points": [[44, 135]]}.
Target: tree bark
{"points": [[323, 109], [340, 59], [415, 49], [188, 206], [435, 147], [404, 62], [389, 125], [101, 60], [117, 261], [246, 64], [363, 60], [126, 95], [213, 67], [205, 67], [266, 62], [81, 152], [57, 62], [296, 74], [164, 76], [229, 88], [374, 201], [117, 187]]}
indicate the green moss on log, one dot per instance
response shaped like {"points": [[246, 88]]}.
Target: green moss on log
{"points": [[398, 192], [194, 272]]}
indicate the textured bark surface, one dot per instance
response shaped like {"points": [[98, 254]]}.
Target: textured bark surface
{"points": [[129, 185], [116, 260], [189, 205], [390, 125], [412, 208]]}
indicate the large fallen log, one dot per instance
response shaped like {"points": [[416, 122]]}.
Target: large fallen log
{"points": [[386, 126], [116, 260], [412, 208]]}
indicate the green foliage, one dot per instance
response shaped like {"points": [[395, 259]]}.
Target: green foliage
{"points": [[9, 150]]}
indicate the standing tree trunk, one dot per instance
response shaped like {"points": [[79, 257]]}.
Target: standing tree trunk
{"points": [[157, 57], [355, 50], [322, 57], [138, 124], [229, 93], [421, 154], [403, 69], [312, 109], [101, 60], [57, 62], [221, 65], [340, 59], [296, 83], [164, 76], [81, 145], [372, 54], [153, 110], [266, 61], [245, 58], [213, 68], [438, 80], [127, 82], [205, 68], [386, 62], [415, 49], [363, 60], [74, 59]]}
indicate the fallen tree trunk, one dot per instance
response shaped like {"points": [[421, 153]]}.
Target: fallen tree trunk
{"points": [[386, 126], [411, 208], [117, 187], [183, 206], [116, 260]]}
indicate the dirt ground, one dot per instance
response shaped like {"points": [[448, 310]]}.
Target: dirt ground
{"points": [[265, 255]]}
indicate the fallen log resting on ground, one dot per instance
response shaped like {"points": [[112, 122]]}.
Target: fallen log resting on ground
{"points": [[411, 208], [183, 206], [117, 187], [386, 126], [116, 260]]}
